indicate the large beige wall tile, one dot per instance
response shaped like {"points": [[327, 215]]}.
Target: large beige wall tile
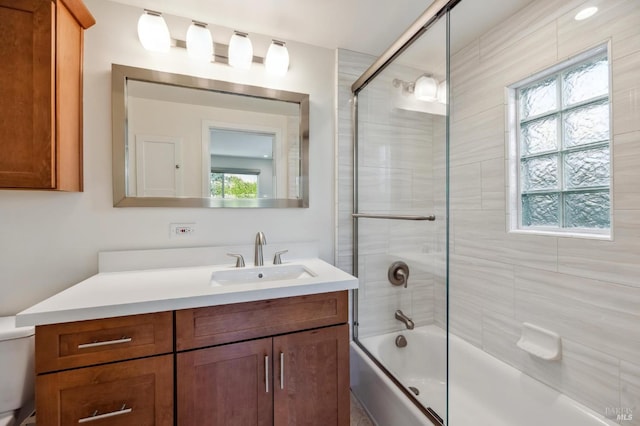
{"points": [[520, 25], [626, 173], [597, 314], [630, 391], [626, 94], [493, 184], [615, 21], [487, 284], [586, 374], [615, 261], [466, 189], [478, 137]]}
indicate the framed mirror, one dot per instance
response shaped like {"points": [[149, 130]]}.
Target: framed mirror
{"points": [[183, 141]]}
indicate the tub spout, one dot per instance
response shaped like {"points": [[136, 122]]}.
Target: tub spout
{"points": [[400, 316]]}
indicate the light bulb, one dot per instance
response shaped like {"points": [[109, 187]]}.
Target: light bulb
{"points": [[199, 42], [442, 92], [586, 13], [153, 32], [240, 51], [277, 60], [426, 89]]}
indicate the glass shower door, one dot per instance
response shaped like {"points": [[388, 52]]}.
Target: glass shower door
{"points": [[400, 238]]}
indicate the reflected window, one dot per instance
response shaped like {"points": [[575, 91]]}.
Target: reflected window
{"points": [[563, 147], [229, 184]]}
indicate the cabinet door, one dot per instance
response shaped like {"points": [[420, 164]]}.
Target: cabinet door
{"points": [[226, 385], [312, 377], [26, 94], [128, 393]]}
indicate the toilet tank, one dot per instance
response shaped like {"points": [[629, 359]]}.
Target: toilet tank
{"points": [[17, 371]]}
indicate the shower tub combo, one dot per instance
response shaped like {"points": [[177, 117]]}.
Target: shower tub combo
{"points": [[483, 391]]}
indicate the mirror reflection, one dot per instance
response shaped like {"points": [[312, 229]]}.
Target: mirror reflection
{"points": [[184, 141]]}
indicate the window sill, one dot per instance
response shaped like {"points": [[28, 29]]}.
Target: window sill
{"points": [[565, 234]]}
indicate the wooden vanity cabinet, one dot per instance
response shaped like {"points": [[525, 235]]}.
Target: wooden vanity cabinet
{"points": [[295, 379], [115, 371], [41, 93], [295, 372], [270, 362], [128, 393]]}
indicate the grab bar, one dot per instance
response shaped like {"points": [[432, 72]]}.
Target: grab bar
{"points": [[392, 216]]}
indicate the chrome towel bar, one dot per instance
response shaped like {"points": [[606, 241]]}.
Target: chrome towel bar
{"points": [[392, 216]]}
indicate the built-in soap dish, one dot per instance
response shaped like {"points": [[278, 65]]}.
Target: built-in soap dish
{"points": [[540, 342]]}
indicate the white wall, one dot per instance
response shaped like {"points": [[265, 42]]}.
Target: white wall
{"points": [[49, 240]]}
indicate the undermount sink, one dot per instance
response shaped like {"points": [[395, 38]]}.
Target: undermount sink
{"points": [[259, 274]]}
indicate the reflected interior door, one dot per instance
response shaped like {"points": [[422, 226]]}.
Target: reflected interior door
{"points": [[158, 166]]}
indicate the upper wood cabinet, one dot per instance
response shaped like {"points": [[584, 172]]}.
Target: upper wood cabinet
{"points": [[41, 93]]}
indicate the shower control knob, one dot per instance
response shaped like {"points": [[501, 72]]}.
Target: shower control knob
{"points": [[398, 274]]}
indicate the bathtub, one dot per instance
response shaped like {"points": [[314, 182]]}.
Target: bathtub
{"points": [[421, 365]]}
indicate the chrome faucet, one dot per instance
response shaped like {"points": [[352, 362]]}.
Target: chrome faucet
{"points": [[400, 316], [261, 240]]}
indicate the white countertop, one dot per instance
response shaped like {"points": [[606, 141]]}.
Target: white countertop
{"points": [[111, 294]]}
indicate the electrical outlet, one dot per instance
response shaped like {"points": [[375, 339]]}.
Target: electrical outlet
{"points": [[181, 230]]}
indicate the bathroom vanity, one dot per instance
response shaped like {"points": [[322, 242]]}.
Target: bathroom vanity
{"points": [[242, 353]]}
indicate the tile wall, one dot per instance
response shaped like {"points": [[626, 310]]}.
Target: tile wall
{"points": [[396, 176], [586, 290]]}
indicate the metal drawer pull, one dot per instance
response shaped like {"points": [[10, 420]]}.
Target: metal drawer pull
{"points": [[281, 370], [105, 343], [266, 373], [96, 416]]}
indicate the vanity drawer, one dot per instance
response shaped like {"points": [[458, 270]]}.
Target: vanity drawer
{"points": [[201, 327], [77, 344], [138, 392]]}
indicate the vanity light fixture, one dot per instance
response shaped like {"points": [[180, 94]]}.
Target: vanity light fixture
{"points": [[425, 88], [153, 32], [154, 36], [240, 50], [585, 13], [200, 42], [277, 59]]}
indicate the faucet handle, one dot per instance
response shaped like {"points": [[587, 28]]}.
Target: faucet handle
{"points": [[239, 259], [277, 260]]}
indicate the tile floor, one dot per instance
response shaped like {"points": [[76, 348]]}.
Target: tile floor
{"points": [[359, 417]]}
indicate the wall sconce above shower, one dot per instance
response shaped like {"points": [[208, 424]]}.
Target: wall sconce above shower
{"points": [[425, 88], [154, 35], [424, 94]]}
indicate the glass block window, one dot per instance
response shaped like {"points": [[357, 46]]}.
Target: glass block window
{"points": [[563, 148]]}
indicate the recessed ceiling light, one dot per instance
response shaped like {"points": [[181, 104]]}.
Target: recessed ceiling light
{"points": [[585, 13]]}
